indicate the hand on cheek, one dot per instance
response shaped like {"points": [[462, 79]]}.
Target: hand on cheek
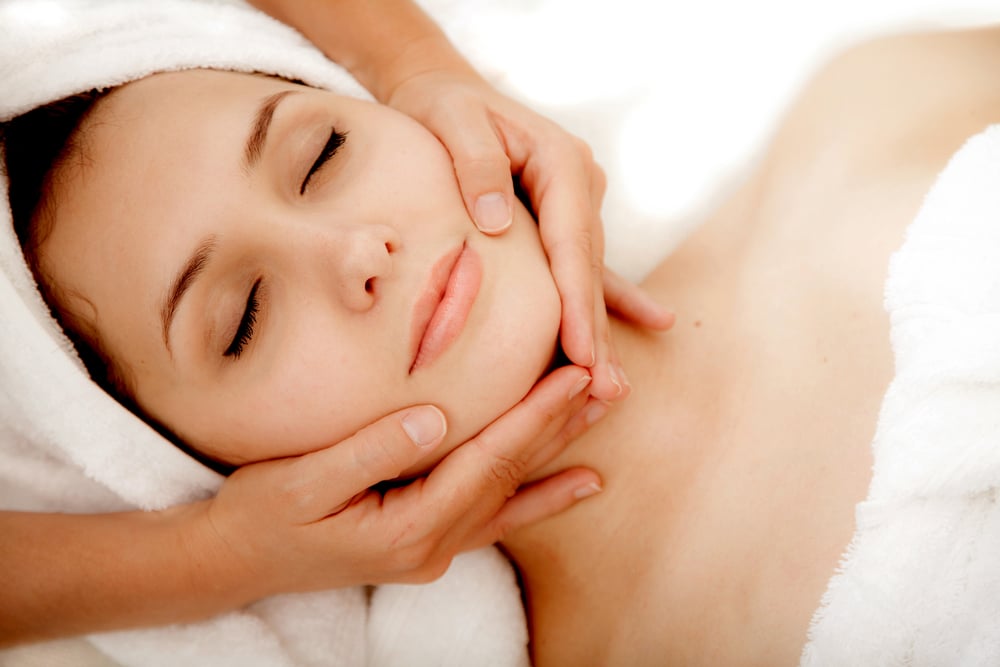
{"points": [[314, 521], [488, 136]]}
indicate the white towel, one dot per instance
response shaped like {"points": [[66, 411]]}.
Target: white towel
{"points": [[920, 583], [66, 446]]}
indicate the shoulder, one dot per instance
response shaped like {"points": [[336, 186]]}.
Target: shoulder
{"points": [[896, 100]]}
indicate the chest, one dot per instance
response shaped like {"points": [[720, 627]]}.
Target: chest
{"points": [[732, 472], [787, 350]]}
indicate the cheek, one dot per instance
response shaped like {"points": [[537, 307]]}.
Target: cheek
{"points": [[516, 331], [320, 399], [410, 170], [308, 401], [496, 375]]}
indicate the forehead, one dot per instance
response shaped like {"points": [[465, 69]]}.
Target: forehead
{"points": [[146, 146], [147, 170]]}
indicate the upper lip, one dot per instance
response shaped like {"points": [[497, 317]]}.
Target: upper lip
{"points": [[430, 298]]}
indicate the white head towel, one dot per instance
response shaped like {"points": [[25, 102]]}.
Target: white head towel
{"points": [[67, 446]]}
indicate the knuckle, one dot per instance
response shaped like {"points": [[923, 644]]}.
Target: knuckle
{"points": [[482, 160], [430, 571], [583, 148], [599, 177], [507, 472], [597, 267], [297, 493], [378, 456], [577, 245], [502, 528], [585, 248], [414, 558]]}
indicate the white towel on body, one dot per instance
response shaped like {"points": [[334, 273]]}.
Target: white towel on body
{"points": [[920, 583], [66, 446]]}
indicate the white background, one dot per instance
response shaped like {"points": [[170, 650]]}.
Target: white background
{"points": [[674, 97]]}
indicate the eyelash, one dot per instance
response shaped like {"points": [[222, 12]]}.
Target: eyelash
{"points": [[333, 144], [244, 333]]}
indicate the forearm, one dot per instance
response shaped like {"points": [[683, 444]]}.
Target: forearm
{"points": [[67, 574], [381, 42]]}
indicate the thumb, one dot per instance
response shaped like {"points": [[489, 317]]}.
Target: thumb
{"points": [[325, 481], [482, 169]]}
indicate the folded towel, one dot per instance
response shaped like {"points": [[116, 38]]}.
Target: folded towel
{"points": [[920, 584], [66, 446]]}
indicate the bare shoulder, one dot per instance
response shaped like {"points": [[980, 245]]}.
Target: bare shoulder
{"points": [[905, 98]]}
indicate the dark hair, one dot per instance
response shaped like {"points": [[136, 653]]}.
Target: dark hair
{"points": [[36, 144]]}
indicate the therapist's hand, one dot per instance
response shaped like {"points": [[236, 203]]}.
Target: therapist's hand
{"points": [[490, 136], [399, 54], [313, 522]]}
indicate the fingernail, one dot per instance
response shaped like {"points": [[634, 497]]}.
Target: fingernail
{"points": [[616, 379], [492, 213], [580, 385], [620, 372], [425, 426], [595, 411], [587, 490]]}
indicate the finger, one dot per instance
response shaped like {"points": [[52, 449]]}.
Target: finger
{"points": [[634, 304], [538, 501], [434, 515], [564, 216], [609, 382], [593, 410], [325, 481], [475, 480], [481, 166]]}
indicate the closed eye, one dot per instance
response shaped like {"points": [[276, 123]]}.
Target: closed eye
{"points": [[245, 331], [330, 149]]}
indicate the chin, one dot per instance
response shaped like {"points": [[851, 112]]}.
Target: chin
{"points": [[498, 385], [492, 381], [511, 341]]}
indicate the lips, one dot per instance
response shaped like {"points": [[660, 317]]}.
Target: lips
{"points": [[443, 308]]}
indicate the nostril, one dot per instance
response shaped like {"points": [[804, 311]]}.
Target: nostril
{"points": [[389, 247], [370, 285]]}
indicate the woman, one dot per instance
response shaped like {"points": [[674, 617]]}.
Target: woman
{"points": [[78, 578], [731, 477]]}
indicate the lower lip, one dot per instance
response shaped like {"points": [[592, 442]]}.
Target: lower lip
{"points": [[449, 316]]}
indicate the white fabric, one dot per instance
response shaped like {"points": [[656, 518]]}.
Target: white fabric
{"points": [[66, 446], [920, 583]]}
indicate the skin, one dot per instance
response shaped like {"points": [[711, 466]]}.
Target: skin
{"points": [[489, 135], [732, 474], [342, 266], [412, 533]]}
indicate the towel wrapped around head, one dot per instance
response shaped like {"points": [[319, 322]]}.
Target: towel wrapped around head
{"points": [[67, 446]]}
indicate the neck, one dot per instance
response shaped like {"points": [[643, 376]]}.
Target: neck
{"points": [[655, 452], [578, 559]]}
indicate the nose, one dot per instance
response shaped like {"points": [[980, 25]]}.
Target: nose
{"points": [[361, 258], [340, 261]]}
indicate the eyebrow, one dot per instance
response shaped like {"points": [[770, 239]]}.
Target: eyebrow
{"points": [[203, 253], [261, 124], [182, 283]]}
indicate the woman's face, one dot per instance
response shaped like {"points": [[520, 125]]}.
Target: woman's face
{"points": [[270, 292]]}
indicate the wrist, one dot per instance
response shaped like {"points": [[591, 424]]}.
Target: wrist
{"points": [[422, 55], [382, 44], [72, 574], [217, 571]]}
